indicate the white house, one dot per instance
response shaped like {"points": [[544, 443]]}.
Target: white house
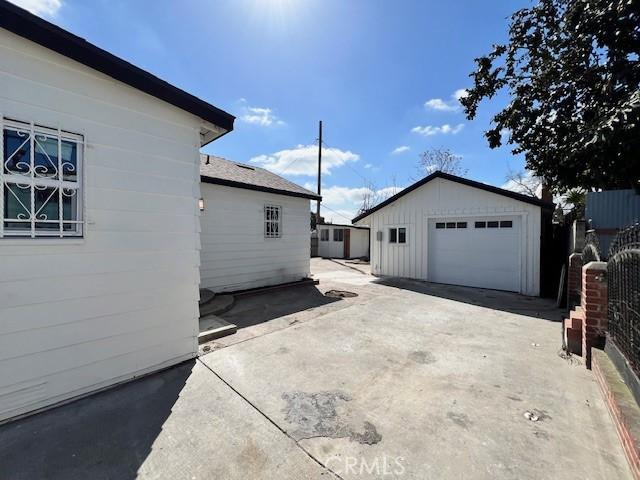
{"points": [[99, 240], [255, 227], [449, 229], [342, 241]]}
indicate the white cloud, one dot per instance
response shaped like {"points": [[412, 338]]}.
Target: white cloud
{"points": [[303, 160], [368, 165], [441, 105], [347, 200], [451, 105], [40, 7], [400, 149], [460, 93], [260, 116], [430, 130]]}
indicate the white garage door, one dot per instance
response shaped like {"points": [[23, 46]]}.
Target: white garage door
{"points": [[476, 252]]}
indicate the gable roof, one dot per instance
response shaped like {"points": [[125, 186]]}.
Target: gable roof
{"points": [[35, 29], [464, 181], [220, 171]]}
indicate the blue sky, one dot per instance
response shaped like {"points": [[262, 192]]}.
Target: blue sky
{"points": [[382, 75]]}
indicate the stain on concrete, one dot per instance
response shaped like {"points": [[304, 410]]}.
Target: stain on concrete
{"points": [[252, 456], [514, 398], [325, 414], [460, 419], [370, 436], [541, 414], [423, 357], [541, 434], [282, 351]]}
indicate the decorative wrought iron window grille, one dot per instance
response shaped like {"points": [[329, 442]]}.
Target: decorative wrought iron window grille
{"points": [[272, 221], [40, 181]]}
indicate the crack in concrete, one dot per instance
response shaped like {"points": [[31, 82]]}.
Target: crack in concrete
{"points": [[270, 420]]}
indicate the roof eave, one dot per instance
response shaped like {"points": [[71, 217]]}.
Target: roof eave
{"points": [[257, 188], [24, 24]]}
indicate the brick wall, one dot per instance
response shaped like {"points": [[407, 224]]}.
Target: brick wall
{"points": [[594, 305]]}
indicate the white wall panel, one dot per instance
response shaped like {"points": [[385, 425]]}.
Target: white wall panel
{"points": [[81, 314], [235, 255]]}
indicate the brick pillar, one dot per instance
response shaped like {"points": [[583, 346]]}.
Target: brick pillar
{"points": [[574, 280], [594, 304]]}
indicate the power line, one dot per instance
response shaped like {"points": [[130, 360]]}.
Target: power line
{"points": [[295, 159], [349, 165], [336, 212]]}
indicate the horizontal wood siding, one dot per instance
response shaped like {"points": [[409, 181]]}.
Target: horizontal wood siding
{"points": [[441, 198], [80, 314], [236, 255]]}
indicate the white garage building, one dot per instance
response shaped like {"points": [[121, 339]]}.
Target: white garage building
{"points": [[99, 236], [255, 227], [448, 229], [342, 241]]}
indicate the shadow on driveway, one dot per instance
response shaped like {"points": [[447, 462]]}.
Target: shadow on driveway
{"points": [[106, 435], [495, 299], [258, 308]]}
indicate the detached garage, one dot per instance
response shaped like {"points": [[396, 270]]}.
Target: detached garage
{"points": [[448, 229], [342, 241]]}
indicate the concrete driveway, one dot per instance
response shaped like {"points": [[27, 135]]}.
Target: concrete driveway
{"points": [[405, 380]]}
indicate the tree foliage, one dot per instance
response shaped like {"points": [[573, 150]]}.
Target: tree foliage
{"points": [[572, 72]]}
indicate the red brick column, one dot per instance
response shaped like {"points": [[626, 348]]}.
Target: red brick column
{"points": [[574, 280], [594, 304]]}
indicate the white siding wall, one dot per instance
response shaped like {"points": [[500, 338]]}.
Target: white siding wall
{"points": [[80, 314], [358, 247], [438, 199], [359, 243], [235, 253]]}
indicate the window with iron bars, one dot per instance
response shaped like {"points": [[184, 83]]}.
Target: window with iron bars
{"points": [[40, 181], [272, 221]]}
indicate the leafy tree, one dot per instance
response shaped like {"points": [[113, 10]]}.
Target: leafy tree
{"points": [[572, 71], [440, 159]]}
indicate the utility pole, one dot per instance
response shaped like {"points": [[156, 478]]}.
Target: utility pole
{"points": [[319, 169]]}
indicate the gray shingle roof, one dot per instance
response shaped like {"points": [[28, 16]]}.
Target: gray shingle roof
{"points": [[221, 171]]}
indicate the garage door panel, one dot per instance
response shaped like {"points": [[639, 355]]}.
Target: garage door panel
{"points": [[476, 257]]}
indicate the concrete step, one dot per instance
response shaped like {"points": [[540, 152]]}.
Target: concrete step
{"points": [[576, 317], [572, 337], [212, 327], [206, 296], [217, 305]]}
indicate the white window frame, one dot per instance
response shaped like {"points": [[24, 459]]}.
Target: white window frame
{"points": [[324, 231], [335, 231], [268, 220], [34, 180]]}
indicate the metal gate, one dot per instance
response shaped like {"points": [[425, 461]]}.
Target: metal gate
{"points": [[623, 283]]}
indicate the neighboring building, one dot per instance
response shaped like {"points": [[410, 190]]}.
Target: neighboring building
{"points": [[255, 227], [342, 241], [99, 240], [609, 211], [448, 229]]}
